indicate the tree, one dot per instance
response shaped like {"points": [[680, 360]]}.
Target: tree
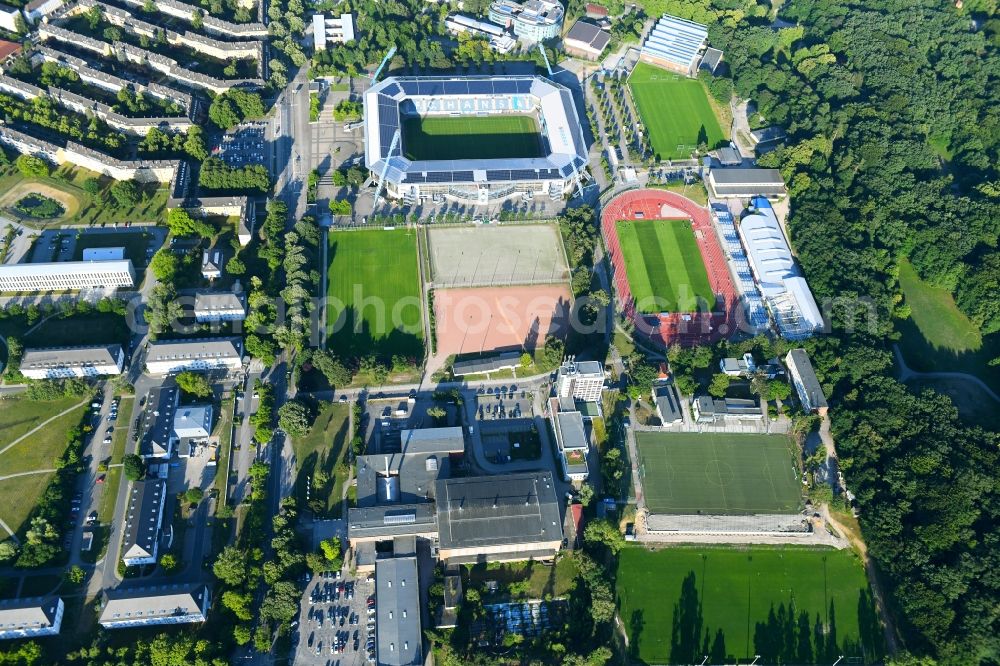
{"points": [[239, 603], [719, 385], [162, 308], [133, 467], [340, 207], [231, 566], [193, 383], [294, 418], [8, 551], [331, 549], [235, 267], [194, 144], [31, 166], [125, 193], [75, 575], [168, 562], [92, 186], [334, 371], [605, 533], [437, 413], [164, 265], [182, 224], [586, 494], [241, 634], [526, 360], [194, 495]]}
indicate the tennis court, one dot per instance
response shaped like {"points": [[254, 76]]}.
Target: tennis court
{"points": [[717, 473], [471, 137]]}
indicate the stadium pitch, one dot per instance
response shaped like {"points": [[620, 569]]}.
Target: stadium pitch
{"points": [[374, 271], [675, 112], [664, 266], [789, 605], [717, 473], [471, 137]]}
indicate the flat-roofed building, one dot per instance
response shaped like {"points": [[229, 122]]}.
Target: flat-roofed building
{"points": [[806, 383], [148, 606], [219, 306], [329, 30], [534, 20], [157, 422], [103, 253], [498, 518], [62, 362], [165, 357], [8, 17], [399, 640], [586, 40], [30, 618], [67, 275], [580, 380], [744, 183], [712, 410], [143, 522], [486, 364], [675, 43], [500, 40], [573, 443]]}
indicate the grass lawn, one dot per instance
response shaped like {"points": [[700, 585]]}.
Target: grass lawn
{"points": [[374, 271], [786, 604], [542, 580], [18, 415], [664, 266], [938, 337], [320, 450], [91, 329], [18, 497], [471, 137], [686, 473], [224, 431], [675, 112], [120, 436]]}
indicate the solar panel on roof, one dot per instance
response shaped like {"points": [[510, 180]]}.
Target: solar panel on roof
{"points": [[463, 176], [456, 88], [505, 87]]}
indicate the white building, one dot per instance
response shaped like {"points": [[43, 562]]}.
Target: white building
{"points": [[211, 264], [776, 274], [196, 354], [8, 17], [28, 618], [500, 40], [62, 362], [583, 380], [533, 20], [193, 421], [143, 522], [738, 367], [744, 183], [220, 306], [332, 30], [103, 254], [806, 383], [163, 604], [66, 275], [571, 437], [36, 10]]}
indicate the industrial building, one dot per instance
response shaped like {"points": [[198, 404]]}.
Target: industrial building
{"points": [[389, 102], [776, 275], [534, 20], [67, 275], [30, 617], [124, 608], [63, 362], [675, 44], [166, 357], [745, 183], [329, 30], [806, 383], [143, 522], [218, 306]]}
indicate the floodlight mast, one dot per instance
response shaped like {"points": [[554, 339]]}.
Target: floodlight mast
{"points": [[385, 61], [385, 169], [545, 57]]}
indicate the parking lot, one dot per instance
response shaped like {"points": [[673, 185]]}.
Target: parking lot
{"points": [[243, 145], [505, 402], [335, 625], [384, 419]]}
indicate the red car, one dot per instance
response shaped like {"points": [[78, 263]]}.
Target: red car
{"points": [[100, 479]]}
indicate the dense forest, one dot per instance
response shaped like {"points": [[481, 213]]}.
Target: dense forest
{"points": [[892, 109]]}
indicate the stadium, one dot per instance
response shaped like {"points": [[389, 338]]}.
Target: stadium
{"points": [[478, 139]]}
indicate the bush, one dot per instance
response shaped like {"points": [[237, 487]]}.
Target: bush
{"points": [[31, 166], [39, 206]]}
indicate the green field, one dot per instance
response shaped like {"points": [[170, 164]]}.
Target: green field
{"points": [[317, 454], [374, 271], [790, 605], [664, 266], [717, 473], [471, 137], [675, 112]]}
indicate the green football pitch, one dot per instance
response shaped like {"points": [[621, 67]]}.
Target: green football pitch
{"points": [[790, 605], [664, 267], [675, 111], [374, 272], [471, 137], [717, 473]]}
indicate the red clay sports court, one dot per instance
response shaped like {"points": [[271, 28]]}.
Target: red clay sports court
{"points": [[669, 328]]}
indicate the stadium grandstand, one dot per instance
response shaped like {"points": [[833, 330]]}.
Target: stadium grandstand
{"points": [[776, 275], [675, 44], [753, 305], [478, 138]]}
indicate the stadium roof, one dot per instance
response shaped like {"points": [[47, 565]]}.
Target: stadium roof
{"points": [[397, 591], [676, 40], [70, 357], [476, 512], [568, 152]]}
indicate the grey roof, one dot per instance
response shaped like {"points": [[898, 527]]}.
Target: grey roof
{"points": [[397, 593], [708, 406], [569, 426], [750, 176], [676, 40], [70, 357], [767, 134], [589, 34], [391, 520], [433, 440], [160, 602], [28, 614], [158, 421], [802, 366], [211, 260], [194, 349], [193, 417], [493, 510], [666, 403], [477, 366], [143, 518], [225, 301], [711, 59]]}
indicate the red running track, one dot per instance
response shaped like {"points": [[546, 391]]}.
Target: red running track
{"points": [[671, 327]]}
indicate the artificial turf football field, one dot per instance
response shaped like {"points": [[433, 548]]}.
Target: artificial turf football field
{"points": [[717, 473], [471, 137], [671, 599], [674, 110], [664, 267], [374, 271]]}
